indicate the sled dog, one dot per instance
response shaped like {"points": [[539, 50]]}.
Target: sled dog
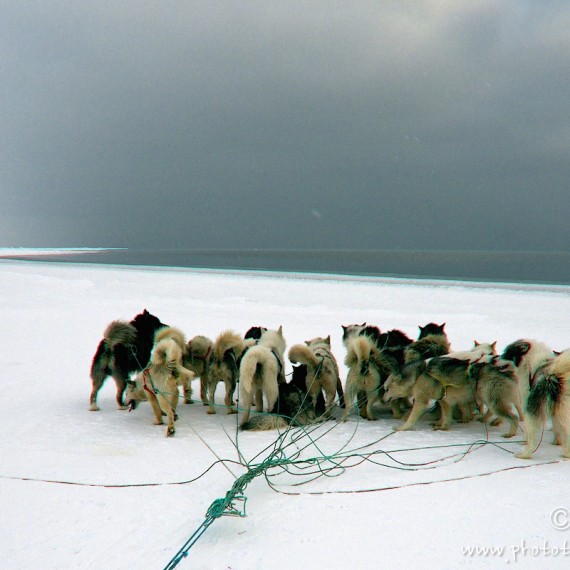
{"points": [[261, 369], [549, 396], [224, 367], [432, 341], [322, 370], [160, 381], [293, 406], [527, 356], [124, 350], [496, 391], [135, 392], [197, 358], [441, 378]]}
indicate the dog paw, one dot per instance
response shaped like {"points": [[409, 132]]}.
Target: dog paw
{"points": [[523, 455], [211, 412], [93, 408], [231, 411], [170, 431]]}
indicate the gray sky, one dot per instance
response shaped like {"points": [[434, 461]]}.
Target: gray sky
{"points": [[375, 125]]}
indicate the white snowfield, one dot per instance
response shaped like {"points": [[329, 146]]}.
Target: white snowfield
{"points": [[108, 490]]}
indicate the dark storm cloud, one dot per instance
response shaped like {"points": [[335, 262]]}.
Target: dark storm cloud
{"points": [[220, 124]]}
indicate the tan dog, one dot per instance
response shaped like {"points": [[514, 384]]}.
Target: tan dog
{"points": [[197, 358], [160, 381], [322, 369], [224, 367], [549, 396], [261, 369]]}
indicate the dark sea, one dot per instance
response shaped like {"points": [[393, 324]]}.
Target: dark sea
{"points": [[505, 267]]}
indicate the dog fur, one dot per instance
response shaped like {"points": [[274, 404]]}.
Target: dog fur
{"points": [[494, 384], [549, 396], [160, 381], [224, 367], [322, 369], [261, 370], [363, 380], [443, 379], [136, 393], [527, 356], [197, 358], [432, 341], [293, 406], [124, 350]]}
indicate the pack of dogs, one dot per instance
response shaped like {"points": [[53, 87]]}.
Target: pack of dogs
{"points": [[524, 387]]}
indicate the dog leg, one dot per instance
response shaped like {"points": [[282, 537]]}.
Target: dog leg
{"points": [[212, 384], [121, 386], [229, 399], [165, 405], [446, 415], [533, 426], [341, 401], [419, 407], [349, 395], [203, 391], [156, 409], [373, 397], [258, 395], [245, 404]]}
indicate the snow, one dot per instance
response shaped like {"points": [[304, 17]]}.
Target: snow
{"points": [[409, 499]]}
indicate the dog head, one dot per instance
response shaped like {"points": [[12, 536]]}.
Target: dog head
{"points": [[432, 329], [516, 351], [349, 331], [135, 393]]}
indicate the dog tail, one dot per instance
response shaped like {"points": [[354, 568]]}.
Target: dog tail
{"points": [[544, 394], [119, 332], [170, 332], [166, 353], [302, 354], [228, 340], [265, 422], [359, 352]]}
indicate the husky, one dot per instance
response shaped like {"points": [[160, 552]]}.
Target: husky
{"points": [[350, 331], [364, 379], [254, 333], [177, 336], [441, 378], [197, 358], [159, 380], [136, 393], [432, 341], [527, 356], [224, 367], [293, 406], [494, 384], [124, 350], [549, 395], [261, 369], [322, 370]]}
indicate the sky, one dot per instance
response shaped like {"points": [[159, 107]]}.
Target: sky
{"points": [[216, 124]]}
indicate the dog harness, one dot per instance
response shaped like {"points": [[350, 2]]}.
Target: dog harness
{"points": [[152, 389]]}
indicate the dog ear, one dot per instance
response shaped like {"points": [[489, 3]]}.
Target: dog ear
{"points": [[308, 342], [524, 347], [280, 330], [494, 347], [475, 343], [344, 328]]}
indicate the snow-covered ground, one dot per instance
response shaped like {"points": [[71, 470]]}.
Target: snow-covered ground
{"points": [[106, 489]]}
